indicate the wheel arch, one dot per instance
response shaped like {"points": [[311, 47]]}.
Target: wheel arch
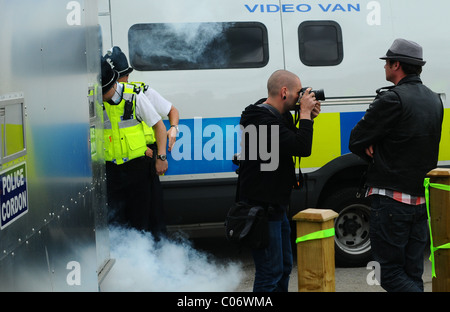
{"points": [[342, 172]]}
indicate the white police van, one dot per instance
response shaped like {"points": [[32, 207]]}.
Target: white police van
{"points": [[212, 58]]}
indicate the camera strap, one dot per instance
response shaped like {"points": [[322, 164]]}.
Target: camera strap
{"points": [[296, 114], [272, 109]]}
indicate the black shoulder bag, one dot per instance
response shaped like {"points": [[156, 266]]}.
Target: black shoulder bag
{"points": [[247, 225]]}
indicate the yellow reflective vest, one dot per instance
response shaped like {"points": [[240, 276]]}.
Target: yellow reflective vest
{"points": [[123, 133], [148, 131]]}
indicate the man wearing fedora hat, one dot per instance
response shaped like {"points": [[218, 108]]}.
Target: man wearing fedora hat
{"points": [[128, 182], [399, 136]]}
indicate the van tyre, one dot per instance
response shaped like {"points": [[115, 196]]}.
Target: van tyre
{"points": [[352, 242]]}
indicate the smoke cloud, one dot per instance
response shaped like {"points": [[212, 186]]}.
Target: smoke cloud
{"points": [[142, 264], [178, 46]]}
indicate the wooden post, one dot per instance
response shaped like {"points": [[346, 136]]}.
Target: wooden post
{"points": [[315, 258], [440, 226]]}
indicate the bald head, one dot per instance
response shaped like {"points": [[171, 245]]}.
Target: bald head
{"points": [[279, 79]]}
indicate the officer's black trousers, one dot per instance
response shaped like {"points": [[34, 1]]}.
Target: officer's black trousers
{"points": [[129, 193]]}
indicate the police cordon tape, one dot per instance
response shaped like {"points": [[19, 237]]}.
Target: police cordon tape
{"points": [[316, 235], [443, 187], [330, 232]]}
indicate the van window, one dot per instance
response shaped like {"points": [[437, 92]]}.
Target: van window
{"points": [[182, 46], [320, 43]]}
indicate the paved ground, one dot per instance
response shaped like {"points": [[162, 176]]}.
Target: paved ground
{"points": [[346, 279]]}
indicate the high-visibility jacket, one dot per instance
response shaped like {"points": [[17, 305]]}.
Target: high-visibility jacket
{"points": [[123, 133], [148, 131]]}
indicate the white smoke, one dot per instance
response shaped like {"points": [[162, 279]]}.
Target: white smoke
{"points": [[142, 264], [174, 43]]}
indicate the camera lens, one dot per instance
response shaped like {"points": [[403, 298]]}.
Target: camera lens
{"points": [[320, 94]]}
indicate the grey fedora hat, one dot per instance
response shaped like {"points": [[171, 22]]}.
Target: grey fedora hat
{"points": [[405, 51]]}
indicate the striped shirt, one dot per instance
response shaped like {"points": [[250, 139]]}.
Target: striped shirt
{"points": [[398, 196]]}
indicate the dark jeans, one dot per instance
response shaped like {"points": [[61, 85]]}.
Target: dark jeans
{"points": [[398, 235], [273, 264]]}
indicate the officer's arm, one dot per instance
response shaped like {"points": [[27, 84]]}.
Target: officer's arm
{"points": [[174, 119], [161, 139], [146, 112]]}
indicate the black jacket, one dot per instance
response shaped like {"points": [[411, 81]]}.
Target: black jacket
{"points": [[271, 186], [404, 126]]}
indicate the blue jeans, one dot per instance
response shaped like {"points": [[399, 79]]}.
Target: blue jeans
{"points": [[273, 264], [398, 235]]}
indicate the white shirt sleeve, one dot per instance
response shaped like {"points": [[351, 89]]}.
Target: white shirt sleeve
{"points": [[161, 105], [145, 110]]}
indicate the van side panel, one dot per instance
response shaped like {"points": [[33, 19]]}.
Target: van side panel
{"points": [[210, 101], [53, 230]]}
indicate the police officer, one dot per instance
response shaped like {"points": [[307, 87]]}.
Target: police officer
{"points": [[154, 137], [127, 176]]}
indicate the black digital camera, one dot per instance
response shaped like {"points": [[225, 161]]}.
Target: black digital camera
{"points": [[320, 94]]}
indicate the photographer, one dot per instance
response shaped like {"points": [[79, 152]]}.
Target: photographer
{"points": [[272, 189]]}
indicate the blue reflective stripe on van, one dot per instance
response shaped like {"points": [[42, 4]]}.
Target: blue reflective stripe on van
{"points": [[204, 145], [348, 121], [207, 145]]}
